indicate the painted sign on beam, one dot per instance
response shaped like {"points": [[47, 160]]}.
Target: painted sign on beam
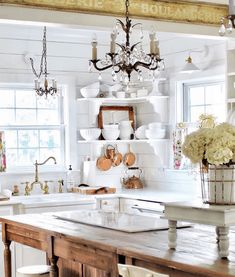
{"points": [[165, 10]]}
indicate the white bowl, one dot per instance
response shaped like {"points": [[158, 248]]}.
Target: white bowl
{"points": [[110, 133], [155, 125], [90, 134], [140, 132], [89, 92], [111, 126], [120, 94], [159, 133]]}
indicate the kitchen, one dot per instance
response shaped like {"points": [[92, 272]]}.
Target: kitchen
{"points": [[69, 49]]}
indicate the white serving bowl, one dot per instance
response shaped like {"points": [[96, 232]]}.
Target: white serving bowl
{"points": [[140, 132], [159, 133], [111, 126], [120, 94], [90, 134], [155, 125], [89, 92], [110, 133]]}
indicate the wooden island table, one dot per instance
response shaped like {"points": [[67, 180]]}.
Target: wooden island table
{"points": [[77, 250]]}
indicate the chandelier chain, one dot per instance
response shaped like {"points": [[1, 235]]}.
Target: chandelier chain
{"points": [[127, 9], [44, 53], [43, 58]]}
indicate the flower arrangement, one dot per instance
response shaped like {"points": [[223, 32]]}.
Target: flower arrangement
{"points": [[214, 145]]}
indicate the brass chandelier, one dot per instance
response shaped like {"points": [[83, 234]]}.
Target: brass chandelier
{"points": [[127, 58], [45, 89], [228, 22]]}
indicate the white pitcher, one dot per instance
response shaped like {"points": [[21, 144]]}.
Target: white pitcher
{"points": [[126, 129]]}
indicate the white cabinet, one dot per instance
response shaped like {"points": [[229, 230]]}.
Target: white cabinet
{"points": [[141, 207], [108, 204]]}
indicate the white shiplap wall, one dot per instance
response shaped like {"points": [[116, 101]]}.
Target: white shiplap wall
{"points": [[68, 53]]}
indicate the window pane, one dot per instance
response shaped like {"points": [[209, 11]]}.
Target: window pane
{"points": [[27, 156], [25, 99], [50, 138], [11, 157], [196, 96], [47, 152], [11, 139], [7, 116], [29, 142], [49, 103], [25, 117], [7, 98], [214, 95], [48, 117], [196, 112], [218, 111], [28, 138]]}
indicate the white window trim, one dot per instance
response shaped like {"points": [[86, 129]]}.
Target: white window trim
{"points": [[179, 105], [11, 170]]}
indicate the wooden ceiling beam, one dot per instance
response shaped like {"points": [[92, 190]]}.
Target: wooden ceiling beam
{"points": [[193, 12]]}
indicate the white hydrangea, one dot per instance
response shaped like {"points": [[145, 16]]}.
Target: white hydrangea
{"points": [[215, 145]]}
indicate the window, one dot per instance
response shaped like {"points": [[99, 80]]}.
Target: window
{"points": [[207, 97], [33, 126]]}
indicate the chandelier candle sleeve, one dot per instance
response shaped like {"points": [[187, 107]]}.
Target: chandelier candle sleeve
{"points": [[113, 42], [94, 47]]}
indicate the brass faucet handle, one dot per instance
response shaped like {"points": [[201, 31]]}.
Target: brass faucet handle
{"points": [[61, 184], [27, 188], [45, 188]]}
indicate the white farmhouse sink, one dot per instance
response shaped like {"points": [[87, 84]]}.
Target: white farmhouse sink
{"points": [[54, 198]]}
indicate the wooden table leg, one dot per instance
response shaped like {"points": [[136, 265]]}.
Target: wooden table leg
{"points": [[54, 268], [223, 242], [52, 258], [172, 234], [7, 252]]}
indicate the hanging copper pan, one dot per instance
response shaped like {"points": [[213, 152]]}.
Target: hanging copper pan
{"points": [[117, 158], [103, 163], [129, 158]]}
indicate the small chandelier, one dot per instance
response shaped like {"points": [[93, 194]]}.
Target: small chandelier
{"points": [[228, 22], [45, 89], [127, 58]]}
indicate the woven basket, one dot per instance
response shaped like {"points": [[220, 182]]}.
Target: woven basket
{"points": [[218, 184]]}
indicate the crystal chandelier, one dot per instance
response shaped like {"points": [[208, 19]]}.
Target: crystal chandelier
{"points": [[228, 22], [127, 58], [45, 89]]}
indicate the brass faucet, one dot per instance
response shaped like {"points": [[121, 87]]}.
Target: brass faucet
{"points": [[36, 181]]}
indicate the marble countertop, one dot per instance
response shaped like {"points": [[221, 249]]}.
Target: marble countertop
{"points": [[75, 198]]}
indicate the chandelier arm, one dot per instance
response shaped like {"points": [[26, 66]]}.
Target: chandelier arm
{"points": [[134, 45], [94, 62], [122, 24], [146, 65], [121, 46], [136, 24]]}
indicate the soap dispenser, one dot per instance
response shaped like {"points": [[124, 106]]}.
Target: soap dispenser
{"points": [[70, 179]]}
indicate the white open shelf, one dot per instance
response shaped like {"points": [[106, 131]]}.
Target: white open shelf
{"points": [[124, 100], [124, 141]]}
